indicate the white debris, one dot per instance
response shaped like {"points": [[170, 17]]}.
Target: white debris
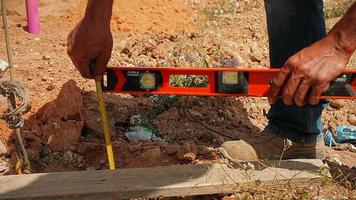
{"points": [[352, 148], [2, 168], [3, 65], [139, 133]]}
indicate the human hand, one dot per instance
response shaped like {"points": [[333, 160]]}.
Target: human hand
{"points": [[306, 75], [90, 41]]}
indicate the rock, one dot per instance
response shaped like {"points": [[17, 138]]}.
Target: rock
{"points": [[172, 149], [152, 154], [149, 158], [68, 156], [161, 143], [50, 88], [80, 159], [3, 149], [229, 115], [135, 147], [90, 169], [46, 57], [203, 150], [36, 149], [352, 120], [86, 147], [67, 106], [80, 165], [62, 135], [187, 152], [195, 113], [3, 65], [335, 158], [352, 148], [220, 139], [336, 104], [98, 166], [256, 53], [2, 168], [62, 118]]}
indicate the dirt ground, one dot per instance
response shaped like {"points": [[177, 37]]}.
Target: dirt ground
{"points": [[63, 133]]}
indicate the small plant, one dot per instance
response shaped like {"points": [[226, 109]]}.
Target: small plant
{"points": [[188, 81], [162, 102], [339, 10], [145, 119]]}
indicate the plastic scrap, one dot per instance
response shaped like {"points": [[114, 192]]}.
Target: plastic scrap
{"points": [[2, 168], [329, 139], [139, 133], [346, 134], [3, 65]]}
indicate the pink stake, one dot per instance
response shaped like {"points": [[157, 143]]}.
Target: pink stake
{"points": [[33, 19]]}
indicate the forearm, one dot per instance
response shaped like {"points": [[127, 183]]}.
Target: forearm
{"points": [[344, 32], [98, 12]]}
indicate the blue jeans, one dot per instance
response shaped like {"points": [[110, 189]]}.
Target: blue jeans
{"points": [[292, 26]]}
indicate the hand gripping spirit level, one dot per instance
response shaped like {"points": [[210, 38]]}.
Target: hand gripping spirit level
{"points": [[218, 82]]}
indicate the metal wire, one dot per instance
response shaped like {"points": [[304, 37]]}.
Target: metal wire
{"points": [[8, 88], [7, 37]]}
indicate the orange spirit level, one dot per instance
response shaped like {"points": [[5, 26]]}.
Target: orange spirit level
{"points": [[212, 82]]}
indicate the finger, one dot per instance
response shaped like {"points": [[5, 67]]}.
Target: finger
{"points": [[278, 82], [290, 88], [273, 92], [300, 94], [83, 68], [326, 87], [102, 62], [316, 93]]}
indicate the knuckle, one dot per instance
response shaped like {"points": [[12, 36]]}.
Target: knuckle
{"points": [[293, 61], [285, 70], [322, 79], [297, 67], [303, 70]]}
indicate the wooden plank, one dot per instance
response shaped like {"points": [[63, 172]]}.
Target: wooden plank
{"points": [[177, 180]]}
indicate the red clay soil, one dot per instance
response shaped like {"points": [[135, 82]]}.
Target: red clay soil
{"points": [[144, 16]]}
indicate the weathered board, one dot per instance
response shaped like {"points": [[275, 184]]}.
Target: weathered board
{"points": [[177, 180]]}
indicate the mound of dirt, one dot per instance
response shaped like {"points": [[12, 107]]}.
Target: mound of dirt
{"points": [[144, 15], [61, 121]]}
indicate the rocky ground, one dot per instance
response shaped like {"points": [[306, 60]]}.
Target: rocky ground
{"points": [[63, 133]]}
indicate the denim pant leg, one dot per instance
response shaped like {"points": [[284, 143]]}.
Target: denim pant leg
{"points": [[292, 26]]}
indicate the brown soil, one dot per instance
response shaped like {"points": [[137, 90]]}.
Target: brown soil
{"points": [[63, 132], [144, 16]]}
